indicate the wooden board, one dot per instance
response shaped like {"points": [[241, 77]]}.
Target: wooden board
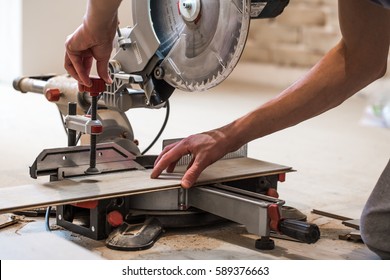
{"points": [[103, 186]]}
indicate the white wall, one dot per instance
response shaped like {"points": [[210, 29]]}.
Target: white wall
{"points": [[10, 39], [45, 26], [33, 33]]}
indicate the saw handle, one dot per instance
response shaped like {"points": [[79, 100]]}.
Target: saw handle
{"points": [[34, 84], [302, 231], [272, 9]]}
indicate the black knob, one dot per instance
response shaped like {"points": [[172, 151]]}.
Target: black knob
{"points": [[302, 231]]}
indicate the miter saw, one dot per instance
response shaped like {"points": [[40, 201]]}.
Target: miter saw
{"points": [[191, 45]]}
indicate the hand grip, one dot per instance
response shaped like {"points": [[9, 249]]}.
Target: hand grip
{"points": [[302, 231], [272, 9]]}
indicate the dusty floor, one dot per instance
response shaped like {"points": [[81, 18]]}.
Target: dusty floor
{"points": [[337, 159], [228, 241]]}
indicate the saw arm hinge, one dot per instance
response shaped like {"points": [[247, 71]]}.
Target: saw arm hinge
{"points": [[153, 91]]}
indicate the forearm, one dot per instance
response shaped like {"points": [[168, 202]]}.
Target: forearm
{"points": [[101, 12], [328, 84], [359, 59]]}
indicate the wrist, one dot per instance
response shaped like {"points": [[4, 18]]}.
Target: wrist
{"points": [[231, 137], [95, 26]]}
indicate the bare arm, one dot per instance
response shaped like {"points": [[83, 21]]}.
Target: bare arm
{"points": [[356, 61], [92, 40]]}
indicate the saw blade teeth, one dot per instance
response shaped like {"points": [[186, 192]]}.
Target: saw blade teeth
{"points": [[209, 45]]}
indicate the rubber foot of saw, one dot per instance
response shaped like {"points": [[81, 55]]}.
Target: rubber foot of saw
{"points": [[92, 171], [265, 243], [123, 238]]}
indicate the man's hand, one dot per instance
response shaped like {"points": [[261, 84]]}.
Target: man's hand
{"points": [[93, 39], [205, 148], [82, 48]]}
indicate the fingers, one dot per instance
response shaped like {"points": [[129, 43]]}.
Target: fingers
{"points": [[68, 65], [166, 150], [191, 175], [79, 56], [172, 166], [102, 70], [79, 68], [168, 158], [169, 161], [78, 59]]}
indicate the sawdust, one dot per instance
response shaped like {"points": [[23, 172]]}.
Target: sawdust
{"points": [[184, 240]]}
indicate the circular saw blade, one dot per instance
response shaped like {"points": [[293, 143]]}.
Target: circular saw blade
{"points": [[201, 40]]}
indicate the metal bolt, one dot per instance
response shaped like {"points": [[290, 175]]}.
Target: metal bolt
{"points": [[93, 228], [182, 207], [187, 5], [59, 217], [93, 141], [72, 134], [158, 73], [190, 10]]}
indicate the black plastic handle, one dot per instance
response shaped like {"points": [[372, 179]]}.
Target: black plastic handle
{"points": [[272, 9], [302, 231]]}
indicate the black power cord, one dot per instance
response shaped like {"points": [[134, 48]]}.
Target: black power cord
{"points": [[161, 129], [47, 218]]}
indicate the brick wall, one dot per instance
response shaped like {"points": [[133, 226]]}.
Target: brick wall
{"points": [[299, 37]]}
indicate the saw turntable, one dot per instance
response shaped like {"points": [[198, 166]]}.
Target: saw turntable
{"points": [[102, 188]]}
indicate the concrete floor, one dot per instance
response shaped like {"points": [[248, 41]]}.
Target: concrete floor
{"points": [[337, 159]]}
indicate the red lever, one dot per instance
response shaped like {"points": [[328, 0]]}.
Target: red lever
{"points": [[115, 218], [282, 177], [273, 193], [96, 129], [53, 94], [87, 205], [98, 86], [274, 215]]}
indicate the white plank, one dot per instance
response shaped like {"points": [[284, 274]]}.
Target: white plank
{"points": [[87, 188]]}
